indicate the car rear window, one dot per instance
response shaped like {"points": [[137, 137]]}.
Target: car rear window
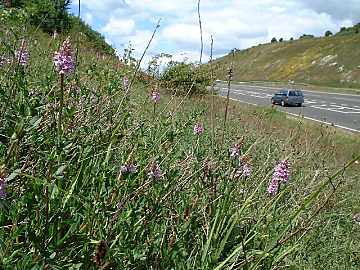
{"points": [[299, 93], [292, 93]]}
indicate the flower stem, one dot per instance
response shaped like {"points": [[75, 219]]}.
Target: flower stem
{"points": [[61, 104]]}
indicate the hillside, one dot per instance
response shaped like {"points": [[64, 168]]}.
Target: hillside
{"points": [[329, 61]]}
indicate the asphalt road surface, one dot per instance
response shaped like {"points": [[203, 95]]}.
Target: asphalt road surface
{"points": [[341, 110]]}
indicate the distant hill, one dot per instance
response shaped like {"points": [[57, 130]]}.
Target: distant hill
{"points": [[331, 61]]}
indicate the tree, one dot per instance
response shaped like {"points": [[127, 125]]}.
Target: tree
{"points": [[49, 15], [342, 29], [273, 40], [291, 39], [328, 33], [307, 36], [281, 40]]}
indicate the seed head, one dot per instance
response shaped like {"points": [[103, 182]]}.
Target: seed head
{"points": [[63, 59]]}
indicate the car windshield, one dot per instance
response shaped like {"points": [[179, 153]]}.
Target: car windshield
{"points": [[280, 94]]}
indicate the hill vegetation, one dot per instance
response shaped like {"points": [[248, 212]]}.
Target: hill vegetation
{"points": [[100, 169], [328, 61]]}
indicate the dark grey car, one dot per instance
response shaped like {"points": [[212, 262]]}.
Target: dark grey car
{"points": [[288, 97]]}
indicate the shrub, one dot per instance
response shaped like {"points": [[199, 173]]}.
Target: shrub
{"points": [[307, 36], [328, 33], [273, 40], [183, 78]]}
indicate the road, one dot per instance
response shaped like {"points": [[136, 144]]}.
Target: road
{"points": [[341, 110]]}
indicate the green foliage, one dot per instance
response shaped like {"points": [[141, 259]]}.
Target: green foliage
{"points": [[328, 33], [49, 15], [281, 40], [92, 36], [273, 40], [182, 78], [306, 36], [349, 30]]}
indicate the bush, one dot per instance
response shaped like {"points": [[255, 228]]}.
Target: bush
{"points": [[307, 36], [185, 78], [328, 33], [273, 40]]}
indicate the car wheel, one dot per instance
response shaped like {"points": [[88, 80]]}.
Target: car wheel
{"points": [[283, 103]]}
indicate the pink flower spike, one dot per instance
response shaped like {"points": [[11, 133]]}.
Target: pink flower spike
{"points": [[155, 96], [246, 170], [281, 175], [126, 83], [63, 59], [128, 168], [198, 129], [282, 171], [154, 171], [234, 151], [22, 55], [273, 187], [2, 188]]}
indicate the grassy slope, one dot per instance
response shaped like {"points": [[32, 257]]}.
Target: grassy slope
{"points": [[301, 60], [66, 196]]}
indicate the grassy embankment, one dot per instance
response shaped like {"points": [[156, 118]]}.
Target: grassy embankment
{"points": [[319, 62]]}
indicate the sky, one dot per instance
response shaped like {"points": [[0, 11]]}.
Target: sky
{"points": [[232, 23]]}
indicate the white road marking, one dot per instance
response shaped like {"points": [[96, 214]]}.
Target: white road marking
{"points": [[323, 106], [309, 91], [301, 116], [324, 122], [348, 108], [326, 109]]}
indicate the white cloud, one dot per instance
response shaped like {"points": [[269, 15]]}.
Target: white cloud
{"points": [[232, 23], [89, 18], [119, 27]]}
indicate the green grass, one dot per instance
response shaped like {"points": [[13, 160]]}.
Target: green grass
{"points": [[69, 206], [301, 60]]}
